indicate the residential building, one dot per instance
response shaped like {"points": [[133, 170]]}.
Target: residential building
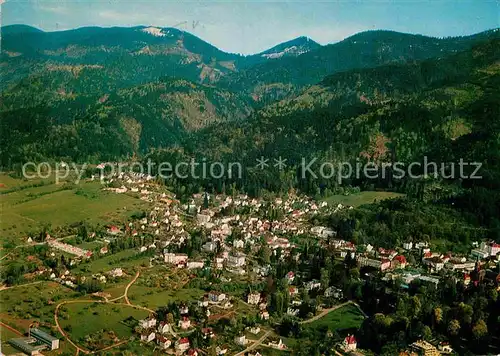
{"points": [[195, 264], [45, 338], [240, 340], [216, 297], [147, 323], [349, 343], [238, 244], [184, 323], [236, 260], [253, 298], [174, 258], [278, 344], [424, 348], [314, 284], [290, 276], [163, 342], [163, 327], [435, 263], [148, 336], [264, 315], [182, 344]]}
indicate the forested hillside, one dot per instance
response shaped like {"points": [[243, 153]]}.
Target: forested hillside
{"points": [[273, 80]]}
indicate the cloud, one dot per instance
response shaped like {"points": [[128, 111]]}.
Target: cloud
{"points": [[59, 10], [113, 15]]}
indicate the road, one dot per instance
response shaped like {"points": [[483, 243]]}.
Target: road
{"points": [[255, 344], [11, 328], [20, 285], [106, 301], [128, 286], [63, 333]]}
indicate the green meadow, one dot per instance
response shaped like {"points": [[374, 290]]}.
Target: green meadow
{"points": [[361, 198], [27, 206], [87, 319], [347, 317]]}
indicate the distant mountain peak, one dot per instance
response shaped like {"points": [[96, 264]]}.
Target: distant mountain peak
{"points": [[293, 48], [17, 29]]}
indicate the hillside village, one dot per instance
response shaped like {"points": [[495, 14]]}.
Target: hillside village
{"points": [[250, 258]]}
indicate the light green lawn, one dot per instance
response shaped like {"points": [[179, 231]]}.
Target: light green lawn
{"points": [[6, 334], [361, 198], [156, 297], [28, 210], [347, 317], [107, 263]]}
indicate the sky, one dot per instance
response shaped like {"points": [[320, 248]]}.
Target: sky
{"points": [[249, 27]]}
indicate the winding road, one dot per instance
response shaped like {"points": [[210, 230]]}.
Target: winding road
{"points": [[105, 301]]}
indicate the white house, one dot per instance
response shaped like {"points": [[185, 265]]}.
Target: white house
{"points": [[195, 264], [184, 309], [253, 298], [236, 260], [184, 323], [277, 345], [117, 272], [333, 292], [238, 244], [182, 345], [209, 246], [264, 315], [408, 245], [240, 340], [163, 342], [163, 327], [174, 258], [290, 276], [350, 343], [216, 297], [148, 336], [147, 323], [314, 284]]}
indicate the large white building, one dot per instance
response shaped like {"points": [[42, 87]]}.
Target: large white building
{"points": [[175, 258]]}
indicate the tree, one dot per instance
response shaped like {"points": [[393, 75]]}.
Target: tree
{"points": [[426, 333], [454, 327], [265, 253], [205, 201], [438, 315], [466, 312], [170, 318], [480, 330], [325, 278], [415, 306]]}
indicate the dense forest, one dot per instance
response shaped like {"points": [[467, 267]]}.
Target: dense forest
{"points": [[381, 97]]}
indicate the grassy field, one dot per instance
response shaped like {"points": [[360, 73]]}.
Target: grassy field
{"points": [[358, 199], [27, 208], [347, 317], [121, 259], [82, 319], [33, 301], [6, 334], [156, 297]]}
